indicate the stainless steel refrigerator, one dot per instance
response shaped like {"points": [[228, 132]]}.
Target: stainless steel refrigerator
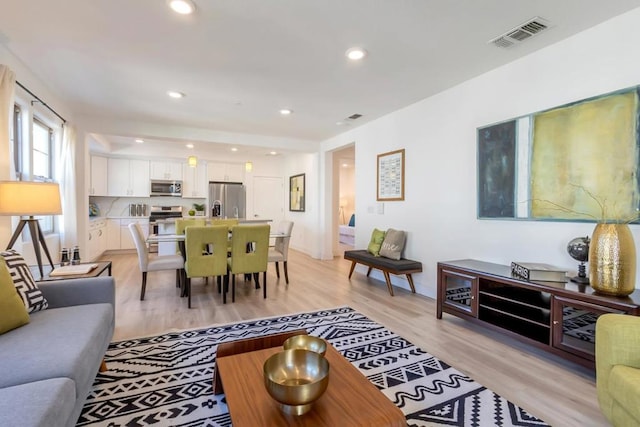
{"points": [[227, 200]]}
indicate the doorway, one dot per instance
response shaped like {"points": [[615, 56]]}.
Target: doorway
{"points": [[345, 173]]}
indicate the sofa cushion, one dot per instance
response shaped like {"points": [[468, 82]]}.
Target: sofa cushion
{"points": [[47, 403], [377, 237], [13, 313], [623, 386], [23, 281], [61, 342], [393, 244]]}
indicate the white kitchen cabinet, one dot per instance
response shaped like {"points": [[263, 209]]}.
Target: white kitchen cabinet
{"points": [[126, 238], [113, 234], [127, 177], [165, 170], [98, 179], [194, 180], [227, 172], [118, 233], [97, 239]]}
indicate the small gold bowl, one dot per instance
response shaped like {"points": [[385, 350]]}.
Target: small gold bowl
{"points": [[296, 379], [306, 342]]}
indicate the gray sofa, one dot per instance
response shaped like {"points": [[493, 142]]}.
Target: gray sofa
{"points": [[48, 366]]}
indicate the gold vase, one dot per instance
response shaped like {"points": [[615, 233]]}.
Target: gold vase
{"points": [[612, 260]]}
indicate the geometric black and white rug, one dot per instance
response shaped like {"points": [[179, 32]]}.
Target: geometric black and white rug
{"points": [[165, 380]]}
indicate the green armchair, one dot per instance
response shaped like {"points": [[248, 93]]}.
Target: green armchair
{"points": [[618, 368]]}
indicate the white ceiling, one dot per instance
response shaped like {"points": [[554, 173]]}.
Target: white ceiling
{"points": [[240, 61]]}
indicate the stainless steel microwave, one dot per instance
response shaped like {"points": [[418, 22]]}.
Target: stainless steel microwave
{"points": [[166, 188]]}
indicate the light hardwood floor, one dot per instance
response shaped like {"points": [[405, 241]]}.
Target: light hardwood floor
{"points": [[560, 392]]}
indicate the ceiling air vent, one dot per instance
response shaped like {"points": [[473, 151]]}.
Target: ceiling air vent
{"points": [[521, 33], [354, 116]]}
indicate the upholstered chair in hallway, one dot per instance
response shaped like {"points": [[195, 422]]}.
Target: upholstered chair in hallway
{"points": [[149, 262], [279, 252], [206, 251], [249, 254]]}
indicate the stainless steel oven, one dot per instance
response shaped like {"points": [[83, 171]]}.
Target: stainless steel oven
{"points": [[158, 216]]}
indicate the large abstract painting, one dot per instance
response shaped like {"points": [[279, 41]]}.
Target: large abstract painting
{"points": [[582, 151], [575, 162]]}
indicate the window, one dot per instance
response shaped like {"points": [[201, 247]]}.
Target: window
{"points": [[41, 152], [42, 163], [33, 158]]}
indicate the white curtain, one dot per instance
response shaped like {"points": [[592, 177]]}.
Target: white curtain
{"points": [[66, 177], [7, 93]]}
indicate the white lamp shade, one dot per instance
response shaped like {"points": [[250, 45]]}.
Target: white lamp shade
{"points": [[29, 198]]}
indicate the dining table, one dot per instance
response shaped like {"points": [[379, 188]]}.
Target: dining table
{"points": [[180, 240]]}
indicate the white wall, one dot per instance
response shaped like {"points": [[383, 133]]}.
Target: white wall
{"points": [[439, 135]]}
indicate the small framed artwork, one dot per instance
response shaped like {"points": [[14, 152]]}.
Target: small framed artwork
{"points": [[390, 185], [296, 193]]}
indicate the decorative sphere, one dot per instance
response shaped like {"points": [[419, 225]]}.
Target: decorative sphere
{"points": [[578, 248]]}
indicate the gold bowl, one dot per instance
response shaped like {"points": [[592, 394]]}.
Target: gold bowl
{"points": [[306, 342], [296, 379]]}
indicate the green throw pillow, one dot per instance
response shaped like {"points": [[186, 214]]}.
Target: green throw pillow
{"points": [[13, 313], [377, 237]]}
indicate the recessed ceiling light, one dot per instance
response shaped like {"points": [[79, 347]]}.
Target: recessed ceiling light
{"points": [[140, 141], [175, 94], [189, 145], [273, 153], [356, 53], [183, 7], [345, 165], [286, 111], [234, 149]]}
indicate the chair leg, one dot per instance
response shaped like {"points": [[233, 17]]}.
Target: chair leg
{"points": [[256, 278], [225, 287], [219, 280], [277, 270], [144, 285], [264, 279], [189, 292], [233, 288], [286, 273]]}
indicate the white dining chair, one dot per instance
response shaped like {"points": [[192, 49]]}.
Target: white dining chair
{"points": [[279, 252], [150, 262]]}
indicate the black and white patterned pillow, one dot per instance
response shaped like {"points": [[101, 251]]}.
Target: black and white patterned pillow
{"points": [[23, 280]]}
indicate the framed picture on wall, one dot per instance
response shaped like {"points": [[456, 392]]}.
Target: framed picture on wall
{"points": [[296, 193], [390, 185]]}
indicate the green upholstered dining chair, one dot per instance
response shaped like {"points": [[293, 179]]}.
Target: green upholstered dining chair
{"points": [[249, 254], [618, 368], [182, 223], [280, 252], [206, 253], [148, 262], [228, 222]]}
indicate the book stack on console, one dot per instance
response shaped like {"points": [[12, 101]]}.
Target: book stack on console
{"points": [[537, 272]]}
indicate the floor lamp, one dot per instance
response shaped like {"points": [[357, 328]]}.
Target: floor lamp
{"points": [[23, 198]]}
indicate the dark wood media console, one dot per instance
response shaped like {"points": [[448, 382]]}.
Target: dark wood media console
{"points": [[559, 317]]}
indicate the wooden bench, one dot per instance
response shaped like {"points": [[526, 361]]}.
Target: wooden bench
{"points": [[386, 265]]}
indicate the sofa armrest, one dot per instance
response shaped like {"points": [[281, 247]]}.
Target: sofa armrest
{"points": [[66, 293], [617, 343]]}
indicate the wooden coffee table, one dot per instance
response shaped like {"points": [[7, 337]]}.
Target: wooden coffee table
{"points": [[350, 399]]}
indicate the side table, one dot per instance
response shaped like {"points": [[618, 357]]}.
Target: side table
{"points": [[46, 269]]}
